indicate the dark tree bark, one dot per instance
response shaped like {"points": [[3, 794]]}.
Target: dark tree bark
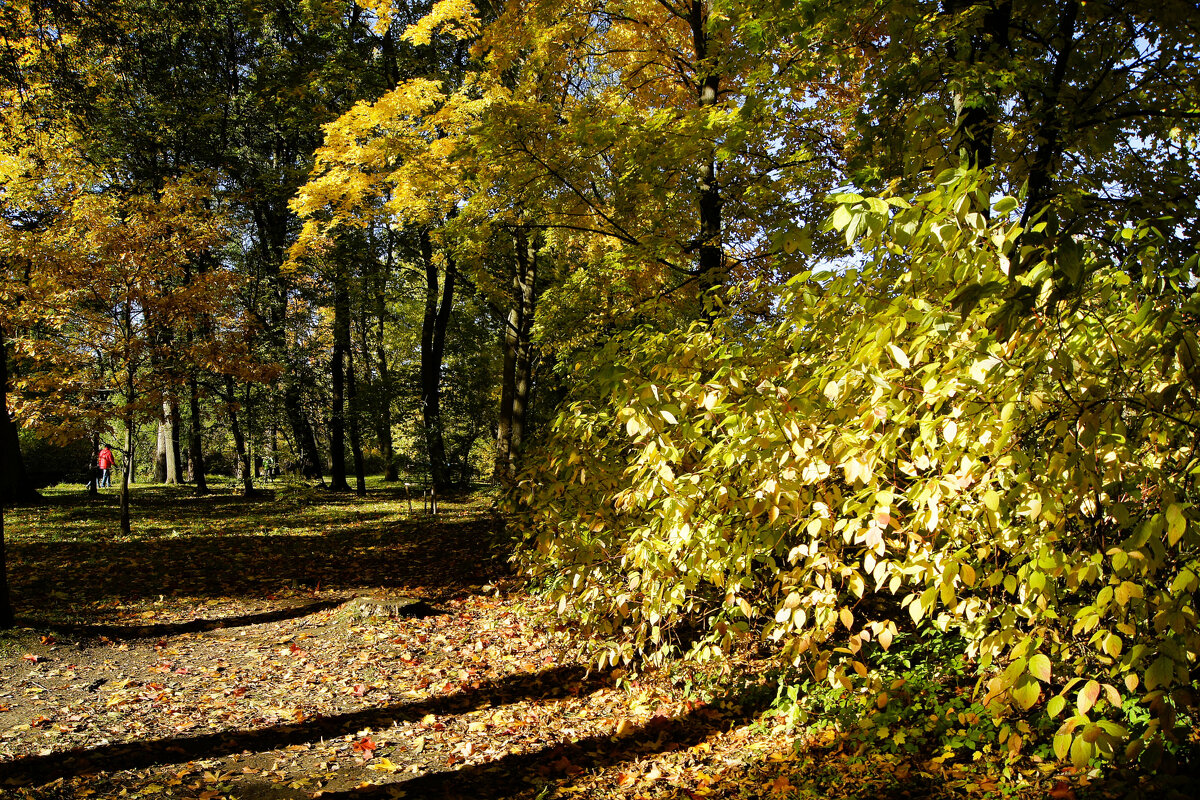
{"points": [[383, 419], [433, 347], [6, 609], [975, 111], [516, 379], [1048, 155], [130, 394], [710, 247], [239, 438], [337, 417], [360, 475], [127, 474], [306, 441], [272, 223], [15, 484], [196, 438]]}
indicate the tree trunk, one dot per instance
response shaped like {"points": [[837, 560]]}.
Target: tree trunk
{"points": [[433, 346], [239, 439], [1049, 137], [15, 485], [196, 440], [272, 225], [93, 469], [383, 419], [337, 418], [160, 451], [710, 266], [974, 109], [518, 359], [173, 456], [306, 442], [7, 618], [360, 475], [127, 468]]}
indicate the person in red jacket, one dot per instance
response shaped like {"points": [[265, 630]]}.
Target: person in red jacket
{"points": [[106, 462]]}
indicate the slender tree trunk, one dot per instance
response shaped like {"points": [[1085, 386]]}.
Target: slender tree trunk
{"points": [[524, 366], [504, 471], [7, 618], [160, 451], [196, 443], [127, 467], [173, 454], [710, 266], [518, 361], [239, 438], [93, 469], [337, 419], [360, 475], [272, 234], [384, 415], [15, 485], [196, 466], [433, 346]]}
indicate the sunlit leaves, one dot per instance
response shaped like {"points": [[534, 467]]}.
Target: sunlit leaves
{"points": [[1018, 487]]}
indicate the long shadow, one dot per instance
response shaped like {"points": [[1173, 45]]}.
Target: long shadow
{"points": [[518, 772], [550, 683], [440, 557], [194, 626]]}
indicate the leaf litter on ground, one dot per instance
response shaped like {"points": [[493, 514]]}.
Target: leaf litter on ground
{"points": [[347, 648]]}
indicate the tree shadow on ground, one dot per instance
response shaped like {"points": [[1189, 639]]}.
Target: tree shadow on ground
{"points": [[544, 685], [119, 632], [523, 772], [437, 559]]}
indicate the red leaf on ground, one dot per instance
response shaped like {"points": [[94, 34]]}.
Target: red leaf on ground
{"points": [[33, 659]]}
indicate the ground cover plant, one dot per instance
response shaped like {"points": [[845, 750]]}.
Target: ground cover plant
{"points": [[306, 644]]}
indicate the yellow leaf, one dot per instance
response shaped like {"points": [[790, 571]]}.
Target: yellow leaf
{"points": [[1087, 696], [383, 765], [1176, 523], [1039, 667]]}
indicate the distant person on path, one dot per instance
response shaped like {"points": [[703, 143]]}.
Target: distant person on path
{"points": [[106, 462]]}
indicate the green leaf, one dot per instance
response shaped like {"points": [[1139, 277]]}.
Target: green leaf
{"points": [[1026, 692], [1062, 745], [1039, 667], [1005, 205], [1176, 523]]}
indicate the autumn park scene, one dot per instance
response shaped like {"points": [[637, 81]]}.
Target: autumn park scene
{"points": [[602, 399]]}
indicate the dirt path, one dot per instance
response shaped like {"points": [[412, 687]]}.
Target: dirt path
{"points": [[383, 659]]}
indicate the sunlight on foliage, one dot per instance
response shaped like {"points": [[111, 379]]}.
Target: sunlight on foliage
{"points": [[942, 436]]}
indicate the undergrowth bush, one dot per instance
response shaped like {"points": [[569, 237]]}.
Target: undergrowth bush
{"points": [[979, 429]]}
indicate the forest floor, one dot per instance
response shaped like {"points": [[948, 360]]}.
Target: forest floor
{"points": [[303, 644]]}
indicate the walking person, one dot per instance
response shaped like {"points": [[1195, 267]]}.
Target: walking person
{"points": [[106, 462]]}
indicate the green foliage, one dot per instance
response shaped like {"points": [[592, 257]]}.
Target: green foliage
{"points": [[966, 431]]}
